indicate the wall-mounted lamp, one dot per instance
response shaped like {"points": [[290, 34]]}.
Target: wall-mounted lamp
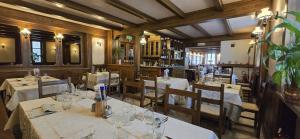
{"points": [[25, 32], [59, 37], [265, 15], [98, 43], [2, 45], [143, 40], [257, 31]]}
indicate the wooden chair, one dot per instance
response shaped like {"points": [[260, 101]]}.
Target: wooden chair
{"points": [[213, 108], [194, 110], [83, 81], [152, 91], [112, 85], [256, 109], [42, 84], [224, 77], [134, 90]]}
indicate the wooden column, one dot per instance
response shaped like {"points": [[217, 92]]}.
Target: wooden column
{"points": [[59, 53], [109, 46], [26, 51], [137, 52]]}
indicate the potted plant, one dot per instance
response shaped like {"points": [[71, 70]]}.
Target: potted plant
{"points": [[116, 53], [287, 57]]}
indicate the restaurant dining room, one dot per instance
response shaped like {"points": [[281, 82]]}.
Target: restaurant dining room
{"points": [[149, 69]]}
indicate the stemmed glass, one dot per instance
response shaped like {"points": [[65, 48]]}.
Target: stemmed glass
{"points": [[148, 120]]}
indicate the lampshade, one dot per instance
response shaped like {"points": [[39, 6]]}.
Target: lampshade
{"points": [[58, 37], [252, 42], [265, 14], [143, 40], [25, 32], [257, 31]]}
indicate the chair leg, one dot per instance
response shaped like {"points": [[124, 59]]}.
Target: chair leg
{"points": [[255, 120]]}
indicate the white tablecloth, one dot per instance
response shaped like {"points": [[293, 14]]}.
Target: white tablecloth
{"points": [[100, 77], [22, 89], [79, 122]]}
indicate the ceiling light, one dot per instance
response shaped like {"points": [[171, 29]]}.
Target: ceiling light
{"points": [[59, 5]]}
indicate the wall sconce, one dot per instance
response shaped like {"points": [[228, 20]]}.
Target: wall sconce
{"points": [[25, 32], [59, 37], [264, 16], [143, 40], [2, 45], [257, 31]]}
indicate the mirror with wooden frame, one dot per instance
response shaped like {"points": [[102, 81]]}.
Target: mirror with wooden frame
{"points": [[71, 49]]}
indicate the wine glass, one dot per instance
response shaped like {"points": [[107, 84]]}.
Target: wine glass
{"points": [[158, 126], [66, 102]]}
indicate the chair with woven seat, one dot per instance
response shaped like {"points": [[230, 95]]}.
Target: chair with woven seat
{"points": [[42, 84], [213, 108], [194, 111], [134, 90], [151, 91], [256, 109], [114, 83]]}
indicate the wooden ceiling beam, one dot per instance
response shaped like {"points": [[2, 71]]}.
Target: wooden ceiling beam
{"points": [[200, 29], [125, 7], [235, 9], [207, 44], [219, 5], [54, 12], [89, 10], [239, 36], [172, 7], [228, 26], [178, 32]]}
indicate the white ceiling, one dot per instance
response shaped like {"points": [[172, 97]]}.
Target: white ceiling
{"points": [[214, 27], [191, 31], [72, 11], [170, 33], [192, 5], [242, 24], [101, 5], [150, 7]]}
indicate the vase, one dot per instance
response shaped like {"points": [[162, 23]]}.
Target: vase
{"points": [[292, 96]]}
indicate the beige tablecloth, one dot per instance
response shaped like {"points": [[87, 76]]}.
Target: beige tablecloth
{"points": [[101, 77], [22, 89], [79, 122]]}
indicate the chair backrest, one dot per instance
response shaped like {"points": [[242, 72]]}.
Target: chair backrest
{"points": [[219, 89], [132, 84], [110, 76], [196, 103], [226, 77], [150, 87], [42, 84]]}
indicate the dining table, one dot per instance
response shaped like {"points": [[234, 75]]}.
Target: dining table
{"points": [[22, 89], [96, 78], [80, 122]]}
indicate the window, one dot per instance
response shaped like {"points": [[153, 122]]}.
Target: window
{"points": [[36, 52], [195, 59], [210, 58]]}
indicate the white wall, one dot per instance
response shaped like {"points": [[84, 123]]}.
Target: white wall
{"points": [[98, 51], [238, 54]]}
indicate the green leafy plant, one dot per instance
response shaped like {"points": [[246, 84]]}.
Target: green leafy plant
{"points": [[287, 56], [117, 51]]}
